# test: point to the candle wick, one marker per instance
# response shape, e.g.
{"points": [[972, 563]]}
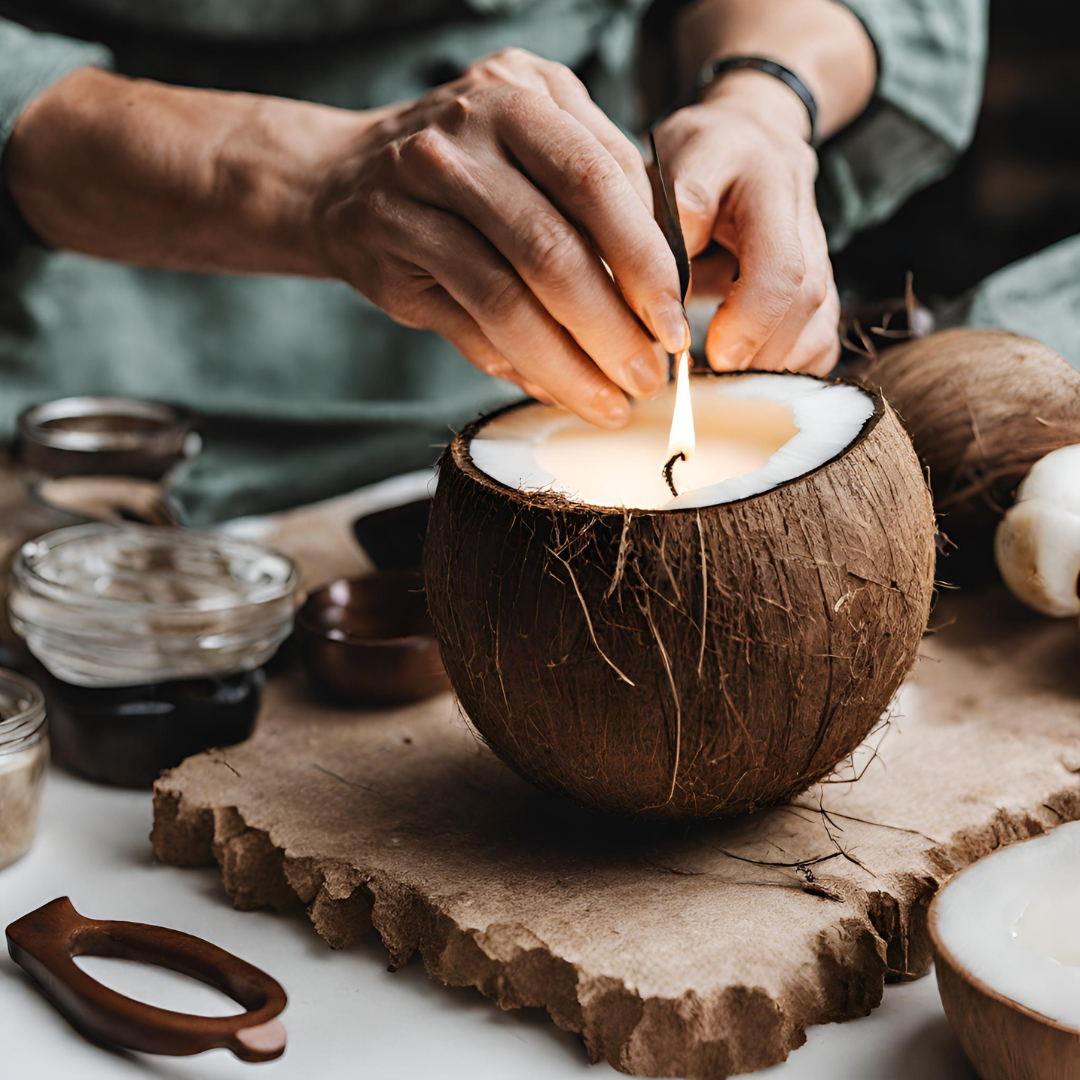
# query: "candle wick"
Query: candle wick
{"points": [[680, 456]]}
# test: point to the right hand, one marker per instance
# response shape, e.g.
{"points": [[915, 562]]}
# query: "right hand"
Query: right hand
{"points": [[487, 211]]}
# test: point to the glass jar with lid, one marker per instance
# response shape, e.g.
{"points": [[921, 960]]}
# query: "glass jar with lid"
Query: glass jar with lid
{"points": [[152, 641], [24, 753]]}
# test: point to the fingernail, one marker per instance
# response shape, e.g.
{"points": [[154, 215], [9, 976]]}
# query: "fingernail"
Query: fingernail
{"points": [[645, 373], [669, 325], [718, 357], [729, 359], [611, 407]]}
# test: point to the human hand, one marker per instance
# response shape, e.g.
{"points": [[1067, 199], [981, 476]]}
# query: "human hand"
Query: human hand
{"points": [[743, 175], [487, 211]]}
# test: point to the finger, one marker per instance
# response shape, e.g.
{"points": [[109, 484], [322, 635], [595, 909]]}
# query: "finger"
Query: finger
{"points": [[817, 348], [421, 236], [786, 348], [571, 95], [510, 317], [508, 374], [701, 172], [537, 392], [585, 182], [505, 372], [446, 316], [549, 254], [437, 310], [519, 67], [819, 345], [826, 360], [699, 176], [772, 268]]}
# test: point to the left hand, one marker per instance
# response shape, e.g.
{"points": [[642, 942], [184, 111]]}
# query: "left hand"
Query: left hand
{"points": [[743, 174]]}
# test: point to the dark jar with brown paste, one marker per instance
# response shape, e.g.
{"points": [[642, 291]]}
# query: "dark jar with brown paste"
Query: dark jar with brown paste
{"points": [[151, 642]]}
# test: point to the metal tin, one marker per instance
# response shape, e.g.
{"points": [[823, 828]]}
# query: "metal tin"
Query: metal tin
{"points": [[104, 436]]}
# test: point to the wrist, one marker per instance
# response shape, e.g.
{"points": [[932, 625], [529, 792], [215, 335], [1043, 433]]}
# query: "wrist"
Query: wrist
{"points": [[176, 178], [269, 176], [821, 41], [763, 97]]}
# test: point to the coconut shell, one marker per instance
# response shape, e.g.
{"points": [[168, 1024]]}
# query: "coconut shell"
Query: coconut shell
{"points": [[1003, 1040], [686, 663], [982, 406]]}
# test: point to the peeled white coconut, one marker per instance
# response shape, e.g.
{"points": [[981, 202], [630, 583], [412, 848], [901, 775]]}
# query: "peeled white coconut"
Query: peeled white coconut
{"points": [[1006, 940], [1037, 544]]}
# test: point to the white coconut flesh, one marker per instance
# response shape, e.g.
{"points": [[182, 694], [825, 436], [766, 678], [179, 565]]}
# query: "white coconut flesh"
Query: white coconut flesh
{"points": [[1011, 920], [753, 433], [1037, 544]]}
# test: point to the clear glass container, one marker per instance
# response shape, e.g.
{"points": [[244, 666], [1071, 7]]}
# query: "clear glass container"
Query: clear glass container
{"points": [[150, 641], [101, 605], [24, 753]]}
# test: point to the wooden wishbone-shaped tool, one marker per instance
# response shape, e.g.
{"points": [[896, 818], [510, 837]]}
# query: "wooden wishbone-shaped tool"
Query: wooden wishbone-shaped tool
{"points": [[44, 943]]}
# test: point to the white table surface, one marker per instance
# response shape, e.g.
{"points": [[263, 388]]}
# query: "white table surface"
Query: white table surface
{"points": [[348, 1016]]}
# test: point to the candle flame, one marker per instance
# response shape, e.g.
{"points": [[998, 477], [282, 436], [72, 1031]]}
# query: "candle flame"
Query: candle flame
{"points": [[682, 439]]}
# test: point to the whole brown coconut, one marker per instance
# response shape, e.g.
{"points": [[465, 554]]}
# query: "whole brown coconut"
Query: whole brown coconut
{"points": [[981, 406], [683, 663]]}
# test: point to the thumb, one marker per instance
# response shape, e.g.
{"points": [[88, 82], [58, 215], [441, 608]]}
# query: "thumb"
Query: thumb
{"points": [[698, 181]]}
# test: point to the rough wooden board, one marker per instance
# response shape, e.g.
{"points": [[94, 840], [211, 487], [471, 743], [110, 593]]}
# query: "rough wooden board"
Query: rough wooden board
{"points": [[670, 954]]}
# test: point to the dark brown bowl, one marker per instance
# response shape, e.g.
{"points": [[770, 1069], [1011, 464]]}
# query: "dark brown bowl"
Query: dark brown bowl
{"points": [[394, 538], [370, 640]]}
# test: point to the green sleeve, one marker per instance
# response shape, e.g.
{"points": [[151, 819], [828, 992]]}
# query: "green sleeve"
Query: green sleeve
{"points": [[1038, 296], [931, 58], [30, 63]]}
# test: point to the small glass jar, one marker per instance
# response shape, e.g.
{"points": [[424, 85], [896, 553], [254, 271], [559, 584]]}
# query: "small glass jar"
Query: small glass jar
{"points": [[151, 640], [24, 753]]}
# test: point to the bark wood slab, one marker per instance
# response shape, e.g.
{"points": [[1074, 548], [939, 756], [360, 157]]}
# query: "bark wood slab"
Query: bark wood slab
{"points": [[672, 950]]}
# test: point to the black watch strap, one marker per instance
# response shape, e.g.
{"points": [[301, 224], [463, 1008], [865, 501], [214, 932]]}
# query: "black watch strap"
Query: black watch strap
{"points": [[716, 69]]}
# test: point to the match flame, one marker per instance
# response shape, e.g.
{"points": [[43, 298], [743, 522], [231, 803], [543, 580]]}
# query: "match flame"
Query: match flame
{"points": [[682, 439]]}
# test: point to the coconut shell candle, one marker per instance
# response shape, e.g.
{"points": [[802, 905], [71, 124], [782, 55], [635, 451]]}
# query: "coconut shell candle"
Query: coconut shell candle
{"points": [[690, 655]]}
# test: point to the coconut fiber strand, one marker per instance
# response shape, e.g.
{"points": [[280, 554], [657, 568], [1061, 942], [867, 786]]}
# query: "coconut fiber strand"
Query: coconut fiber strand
{"points": [[686, 663], [692, 951]]}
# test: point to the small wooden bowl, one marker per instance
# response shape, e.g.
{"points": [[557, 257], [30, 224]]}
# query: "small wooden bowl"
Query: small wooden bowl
{"points": [[394, 538], [1003, 1040], [370, 640]]}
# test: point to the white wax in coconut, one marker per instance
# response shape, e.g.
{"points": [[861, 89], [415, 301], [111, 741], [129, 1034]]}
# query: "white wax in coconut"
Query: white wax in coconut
{"points": [[753, 432], [1012, 921]]}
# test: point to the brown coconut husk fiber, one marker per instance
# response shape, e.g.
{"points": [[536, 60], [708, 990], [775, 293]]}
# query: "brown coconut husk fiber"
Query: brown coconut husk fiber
{"points": [[982, 406], [686, 663]]}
